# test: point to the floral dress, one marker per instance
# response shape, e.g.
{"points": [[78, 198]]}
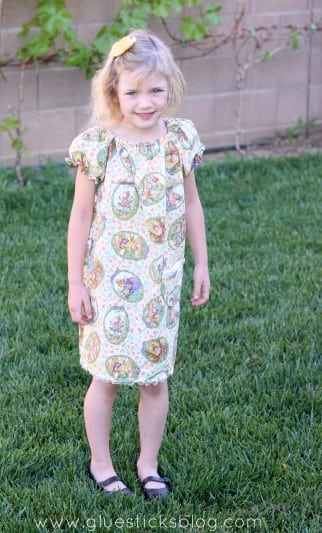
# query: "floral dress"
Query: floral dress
{"points": [[135, 250]]}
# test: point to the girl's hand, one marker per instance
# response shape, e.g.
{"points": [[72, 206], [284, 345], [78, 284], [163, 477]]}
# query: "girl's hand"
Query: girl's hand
{"points": [[201, 285], [79, 304]]}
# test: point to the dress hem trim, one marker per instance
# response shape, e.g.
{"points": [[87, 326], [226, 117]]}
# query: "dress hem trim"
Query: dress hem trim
{"points": [[128, 383]]}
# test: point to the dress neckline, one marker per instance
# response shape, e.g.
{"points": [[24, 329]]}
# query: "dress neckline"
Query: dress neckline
{"points": [[122, 140]]}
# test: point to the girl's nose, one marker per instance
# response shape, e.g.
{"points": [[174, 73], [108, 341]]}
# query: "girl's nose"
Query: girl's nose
{"points": [[145, 101]]}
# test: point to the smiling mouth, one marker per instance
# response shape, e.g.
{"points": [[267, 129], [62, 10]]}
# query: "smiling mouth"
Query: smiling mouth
{"points": [[145, 116]]}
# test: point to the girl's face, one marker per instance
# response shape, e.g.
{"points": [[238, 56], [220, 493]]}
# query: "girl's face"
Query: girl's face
{"points": [[142, 103]]}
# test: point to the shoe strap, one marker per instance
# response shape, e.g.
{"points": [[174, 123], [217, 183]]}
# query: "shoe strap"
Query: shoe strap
{"points": [[108, 481], [155, 478]]}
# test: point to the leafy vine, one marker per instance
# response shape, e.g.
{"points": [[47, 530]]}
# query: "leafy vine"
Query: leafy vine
{"points": [[50, 36]]}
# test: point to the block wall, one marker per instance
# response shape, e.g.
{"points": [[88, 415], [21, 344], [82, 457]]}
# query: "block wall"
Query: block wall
{"points": [[274, 96]]}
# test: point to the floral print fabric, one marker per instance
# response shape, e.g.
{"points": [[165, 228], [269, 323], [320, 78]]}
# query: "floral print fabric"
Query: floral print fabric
{"points": [[135, 250]]}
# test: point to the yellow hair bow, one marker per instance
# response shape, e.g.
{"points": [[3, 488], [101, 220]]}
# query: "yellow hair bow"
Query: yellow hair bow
{"points": [[122, 46]]}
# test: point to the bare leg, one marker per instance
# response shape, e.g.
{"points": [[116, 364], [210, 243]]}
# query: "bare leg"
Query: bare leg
{"points": [[98, 406], [153, 410]]}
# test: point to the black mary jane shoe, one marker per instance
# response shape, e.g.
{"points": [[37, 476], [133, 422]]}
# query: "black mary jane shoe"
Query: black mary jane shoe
{"points": [[152, 494], [102, 484]]}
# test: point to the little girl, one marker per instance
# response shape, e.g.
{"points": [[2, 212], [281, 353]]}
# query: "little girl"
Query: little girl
{"points": [[135, 197]]}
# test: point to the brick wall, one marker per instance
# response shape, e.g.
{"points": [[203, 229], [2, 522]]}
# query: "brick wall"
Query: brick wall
{"points": [[274, 96]]}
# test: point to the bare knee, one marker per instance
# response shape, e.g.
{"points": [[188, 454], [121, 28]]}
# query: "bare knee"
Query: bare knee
{"points": [[103, 388], [154, 391]]}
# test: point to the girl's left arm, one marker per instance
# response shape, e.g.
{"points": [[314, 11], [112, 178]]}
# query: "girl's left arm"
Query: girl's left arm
{"points": [[197, 239]]}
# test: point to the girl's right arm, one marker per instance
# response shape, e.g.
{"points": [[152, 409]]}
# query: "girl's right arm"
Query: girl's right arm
{"points": [[78, 231]]}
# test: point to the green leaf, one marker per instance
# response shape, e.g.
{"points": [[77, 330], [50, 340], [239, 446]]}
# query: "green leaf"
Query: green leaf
{"points": [[25, 30], [177, 5], [70, 35], [161, 10], [212, 11], [295, 38], [9, 123], [56, 24], [79, 57], [192, 29], [133, 18], [193, 3], [268, 56], [36, 47], [102, 41], [214, 19], [17, 144]]}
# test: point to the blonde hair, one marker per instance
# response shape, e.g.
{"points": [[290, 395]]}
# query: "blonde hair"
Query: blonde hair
{"points": [[148, 54]]}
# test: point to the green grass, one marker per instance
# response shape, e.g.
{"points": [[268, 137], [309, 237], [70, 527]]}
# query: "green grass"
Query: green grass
{"points": [[242, 445]]}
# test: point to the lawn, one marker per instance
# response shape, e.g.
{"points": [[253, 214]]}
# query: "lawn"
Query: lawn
{"points": [[242, 445]]}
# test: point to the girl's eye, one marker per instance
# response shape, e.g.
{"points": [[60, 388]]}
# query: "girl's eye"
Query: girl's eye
{"points": [[157, 90], [131, 93]]}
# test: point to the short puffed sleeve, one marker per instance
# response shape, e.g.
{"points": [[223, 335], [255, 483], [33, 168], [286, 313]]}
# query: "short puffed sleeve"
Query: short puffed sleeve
{"points": [[89, 150], [190, 147]]}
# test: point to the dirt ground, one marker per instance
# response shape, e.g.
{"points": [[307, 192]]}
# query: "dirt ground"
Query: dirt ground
{"points": [[280, 146]]}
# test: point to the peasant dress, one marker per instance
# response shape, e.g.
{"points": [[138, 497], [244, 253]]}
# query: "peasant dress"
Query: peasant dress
{"points": [[135, 250]]}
